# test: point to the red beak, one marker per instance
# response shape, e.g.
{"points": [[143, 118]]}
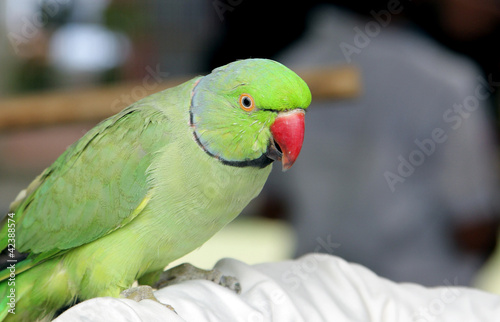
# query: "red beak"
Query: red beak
{"points": [[288, 133]]}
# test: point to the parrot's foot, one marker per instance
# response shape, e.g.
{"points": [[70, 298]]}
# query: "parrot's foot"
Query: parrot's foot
{"points": [[187, 272], [142, 292]]}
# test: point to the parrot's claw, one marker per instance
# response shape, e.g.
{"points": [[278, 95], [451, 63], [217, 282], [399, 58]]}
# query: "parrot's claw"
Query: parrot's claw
{"points": [[187, 272], [142, 292]]}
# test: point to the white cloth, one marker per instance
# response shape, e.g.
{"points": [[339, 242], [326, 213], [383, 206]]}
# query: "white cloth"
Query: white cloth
{"points": [[316, 287]]}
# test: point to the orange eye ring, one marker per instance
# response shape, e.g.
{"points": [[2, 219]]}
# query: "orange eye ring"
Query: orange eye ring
{"points": [[246, 102]]}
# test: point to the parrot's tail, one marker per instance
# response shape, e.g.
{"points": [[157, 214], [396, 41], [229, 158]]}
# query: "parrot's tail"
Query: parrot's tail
{"points": [[35, 294]]}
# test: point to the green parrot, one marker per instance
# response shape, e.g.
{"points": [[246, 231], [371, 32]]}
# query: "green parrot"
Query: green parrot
{"points": [[148, 185]]}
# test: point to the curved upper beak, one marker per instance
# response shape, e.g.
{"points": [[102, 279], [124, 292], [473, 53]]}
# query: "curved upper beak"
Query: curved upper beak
{"points": [[288, 134]]}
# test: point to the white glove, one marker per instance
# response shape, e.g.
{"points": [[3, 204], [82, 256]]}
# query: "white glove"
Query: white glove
{"points": [[316, 287]]}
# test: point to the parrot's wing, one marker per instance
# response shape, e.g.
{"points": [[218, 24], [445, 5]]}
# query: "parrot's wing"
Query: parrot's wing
{"points": [[97, 186]]}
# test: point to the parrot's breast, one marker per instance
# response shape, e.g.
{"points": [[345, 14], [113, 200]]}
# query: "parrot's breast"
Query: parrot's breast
{"points": [[194, 196]]}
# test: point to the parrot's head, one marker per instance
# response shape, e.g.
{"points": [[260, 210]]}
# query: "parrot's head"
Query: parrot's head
{"points": [[250, 113]]}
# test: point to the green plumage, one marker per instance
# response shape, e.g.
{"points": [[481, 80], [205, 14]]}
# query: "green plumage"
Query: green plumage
{"points": [[145, 187]]}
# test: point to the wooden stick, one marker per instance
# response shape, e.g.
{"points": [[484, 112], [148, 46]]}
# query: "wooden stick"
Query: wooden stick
{"points": [[94, 104], [333, 82]]}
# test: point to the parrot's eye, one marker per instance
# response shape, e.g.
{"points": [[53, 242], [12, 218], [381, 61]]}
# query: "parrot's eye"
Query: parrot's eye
{"points": [[246, 102]]}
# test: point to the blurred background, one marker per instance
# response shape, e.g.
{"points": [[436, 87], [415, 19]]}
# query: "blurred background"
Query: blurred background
{"points": [[402, 177]]}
